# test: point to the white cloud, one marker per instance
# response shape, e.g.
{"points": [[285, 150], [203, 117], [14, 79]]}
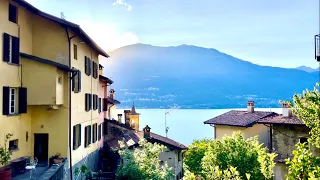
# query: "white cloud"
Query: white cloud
{"points": [[121, 2], [107, 36], [152, 89]]}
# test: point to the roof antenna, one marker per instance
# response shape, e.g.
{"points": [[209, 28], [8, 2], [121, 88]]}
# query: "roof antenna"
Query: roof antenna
{"points": [[62, 16]]}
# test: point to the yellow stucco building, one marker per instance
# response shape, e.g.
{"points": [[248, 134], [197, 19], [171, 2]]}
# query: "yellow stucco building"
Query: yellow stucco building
{"points": [[50, 81]]}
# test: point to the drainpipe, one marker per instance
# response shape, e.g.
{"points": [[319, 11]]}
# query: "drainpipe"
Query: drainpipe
{"points": [[69, 94]]}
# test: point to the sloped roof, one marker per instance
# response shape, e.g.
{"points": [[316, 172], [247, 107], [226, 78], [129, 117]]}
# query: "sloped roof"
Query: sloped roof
{"points": [[132, 138], [74, 27], [280, 119], [239, 118], [105, 79]]}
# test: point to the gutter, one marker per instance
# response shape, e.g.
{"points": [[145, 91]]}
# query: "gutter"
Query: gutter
{"points": [[72, 74]]}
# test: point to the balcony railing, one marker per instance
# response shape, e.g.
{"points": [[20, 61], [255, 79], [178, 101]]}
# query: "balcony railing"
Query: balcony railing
{"points": [[317, 47]]}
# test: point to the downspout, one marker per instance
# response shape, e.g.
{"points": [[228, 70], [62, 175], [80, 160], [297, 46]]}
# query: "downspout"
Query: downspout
{"points": [[270, 131], [69, 94]]}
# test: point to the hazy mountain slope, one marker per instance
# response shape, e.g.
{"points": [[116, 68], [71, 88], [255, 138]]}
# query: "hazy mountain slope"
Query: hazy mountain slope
{"points": [[308, 69], [195, 77]]}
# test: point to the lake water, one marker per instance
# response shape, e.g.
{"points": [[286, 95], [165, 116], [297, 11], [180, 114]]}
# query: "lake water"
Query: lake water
{"points": [[185, 125]]}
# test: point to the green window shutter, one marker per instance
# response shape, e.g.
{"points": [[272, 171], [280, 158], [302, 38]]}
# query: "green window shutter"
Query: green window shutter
{"points": [[5, 100], [79, 81], [86, 136], [89, 66], [73, 81], [79, 138], [90, 135], [22, 107], [90, 101], [6, 47], [74, 137], [15, 50], [86, 65]]}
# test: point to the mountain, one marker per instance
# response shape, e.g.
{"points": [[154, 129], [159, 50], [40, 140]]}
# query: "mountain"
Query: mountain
{"points": [[194, 77], [308, 69]]}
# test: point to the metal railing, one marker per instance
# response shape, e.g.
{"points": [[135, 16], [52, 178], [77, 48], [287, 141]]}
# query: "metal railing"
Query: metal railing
{"points": [[317, 47]]}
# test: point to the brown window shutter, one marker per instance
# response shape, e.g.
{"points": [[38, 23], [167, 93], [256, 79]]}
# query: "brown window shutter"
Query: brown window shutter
{"points": [[15, 50], [22, 100], [6, 47]]}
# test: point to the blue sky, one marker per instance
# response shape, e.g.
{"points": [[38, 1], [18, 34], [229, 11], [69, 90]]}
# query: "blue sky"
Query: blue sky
{"points": [[274, 32]]}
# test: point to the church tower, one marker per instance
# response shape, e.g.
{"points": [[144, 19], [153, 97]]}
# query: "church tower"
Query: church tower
{"points": [[134, 118]]}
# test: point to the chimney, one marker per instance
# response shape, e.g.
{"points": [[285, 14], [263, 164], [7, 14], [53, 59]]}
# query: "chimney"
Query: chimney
{"points": [[286, 110], [146, 132], [250, 106], [119, 118], [112, 93]]}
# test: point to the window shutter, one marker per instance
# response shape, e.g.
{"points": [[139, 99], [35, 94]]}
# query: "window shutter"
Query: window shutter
{"points": [[90, 101], [74, 137], [73, 85], [99, 132], [97, 69], [99, 105], [87, 101], [86, 136], [15, 50], [89, 140], [79, 81], [5, 100], [86, 65], [89, 67], [79, 138], [105, 104], [6, 48], [22, 100]]}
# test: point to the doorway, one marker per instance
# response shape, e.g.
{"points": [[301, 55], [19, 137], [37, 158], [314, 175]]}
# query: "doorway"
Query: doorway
{"points": [[41, 143]]}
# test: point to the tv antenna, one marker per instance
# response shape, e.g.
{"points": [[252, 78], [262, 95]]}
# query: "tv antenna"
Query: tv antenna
{"points": [[62, 16]]}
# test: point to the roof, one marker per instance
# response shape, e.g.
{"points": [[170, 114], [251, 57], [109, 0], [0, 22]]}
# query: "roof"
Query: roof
{"points": [[239, 118], [74, 27], [105, 79], [46, 61], [132, 138], [112, 101], [133, 110], [280, 119]]}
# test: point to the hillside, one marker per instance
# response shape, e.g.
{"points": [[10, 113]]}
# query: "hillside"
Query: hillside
{"points": [[196, 77]]}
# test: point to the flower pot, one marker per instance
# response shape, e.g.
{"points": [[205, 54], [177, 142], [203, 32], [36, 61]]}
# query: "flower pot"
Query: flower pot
{"points": [[5, 174]]}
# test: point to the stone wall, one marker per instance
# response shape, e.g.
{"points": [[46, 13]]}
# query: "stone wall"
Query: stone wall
{"points": [[285, 137]]}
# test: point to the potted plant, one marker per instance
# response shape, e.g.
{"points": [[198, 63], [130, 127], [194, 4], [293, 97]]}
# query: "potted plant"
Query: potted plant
{"points": [[5, 153]]}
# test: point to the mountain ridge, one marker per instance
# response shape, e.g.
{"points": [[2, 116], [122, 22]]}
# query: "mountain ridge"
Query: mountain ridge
{"points": [[158, 77]]}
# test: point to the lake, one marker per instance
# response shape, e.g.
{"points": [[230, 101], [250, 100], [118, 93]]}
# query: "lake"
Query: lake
{"points": [[185, 125]]}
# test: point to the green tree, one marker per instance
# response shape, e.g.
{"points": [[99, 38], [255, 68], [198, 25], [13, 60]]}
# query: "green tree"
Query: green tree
{"points": [[143, 162], [194, 155], [303, 164], [307, 109], [247, 156]]}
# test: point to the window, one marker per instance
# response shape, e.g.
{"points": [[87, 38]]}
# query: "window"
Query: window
{"points": [[99, 105], [76, 82], [88, 101], [95, 102], [95, 70], [14, 100], [99, 132], [75, 52], [303, 140], [87, 136], [76, 136], [11, 49], [13, 145], [94, 133], [13, 13], [59, 80], [88, 65]]}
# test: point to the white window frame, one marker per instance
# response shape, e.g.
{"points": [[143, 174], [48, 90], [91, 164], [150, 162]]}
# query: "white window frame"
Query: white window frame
{"points": [[10, 49], [14, 100]]}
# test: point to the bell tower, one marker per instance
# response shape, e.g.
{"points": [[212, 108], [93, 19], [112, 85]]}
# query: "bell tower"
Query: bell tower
{"points": [[134, 118]]}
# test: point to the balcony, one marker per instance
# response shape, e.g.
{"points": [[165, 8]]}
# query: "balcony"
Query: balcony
{"points": [[317, 47]]}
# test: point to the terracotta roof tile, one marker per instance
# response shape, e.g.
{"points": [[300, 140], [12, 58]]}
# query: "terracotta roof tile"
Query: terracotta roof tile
{"points": [[279, 119], [239, 118]]}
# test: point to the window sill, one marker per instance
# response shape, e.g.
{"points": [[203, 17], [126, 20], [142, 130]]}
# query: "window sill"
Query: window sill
{"points": [[13, 150], [13, 64], [15, 114]]}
